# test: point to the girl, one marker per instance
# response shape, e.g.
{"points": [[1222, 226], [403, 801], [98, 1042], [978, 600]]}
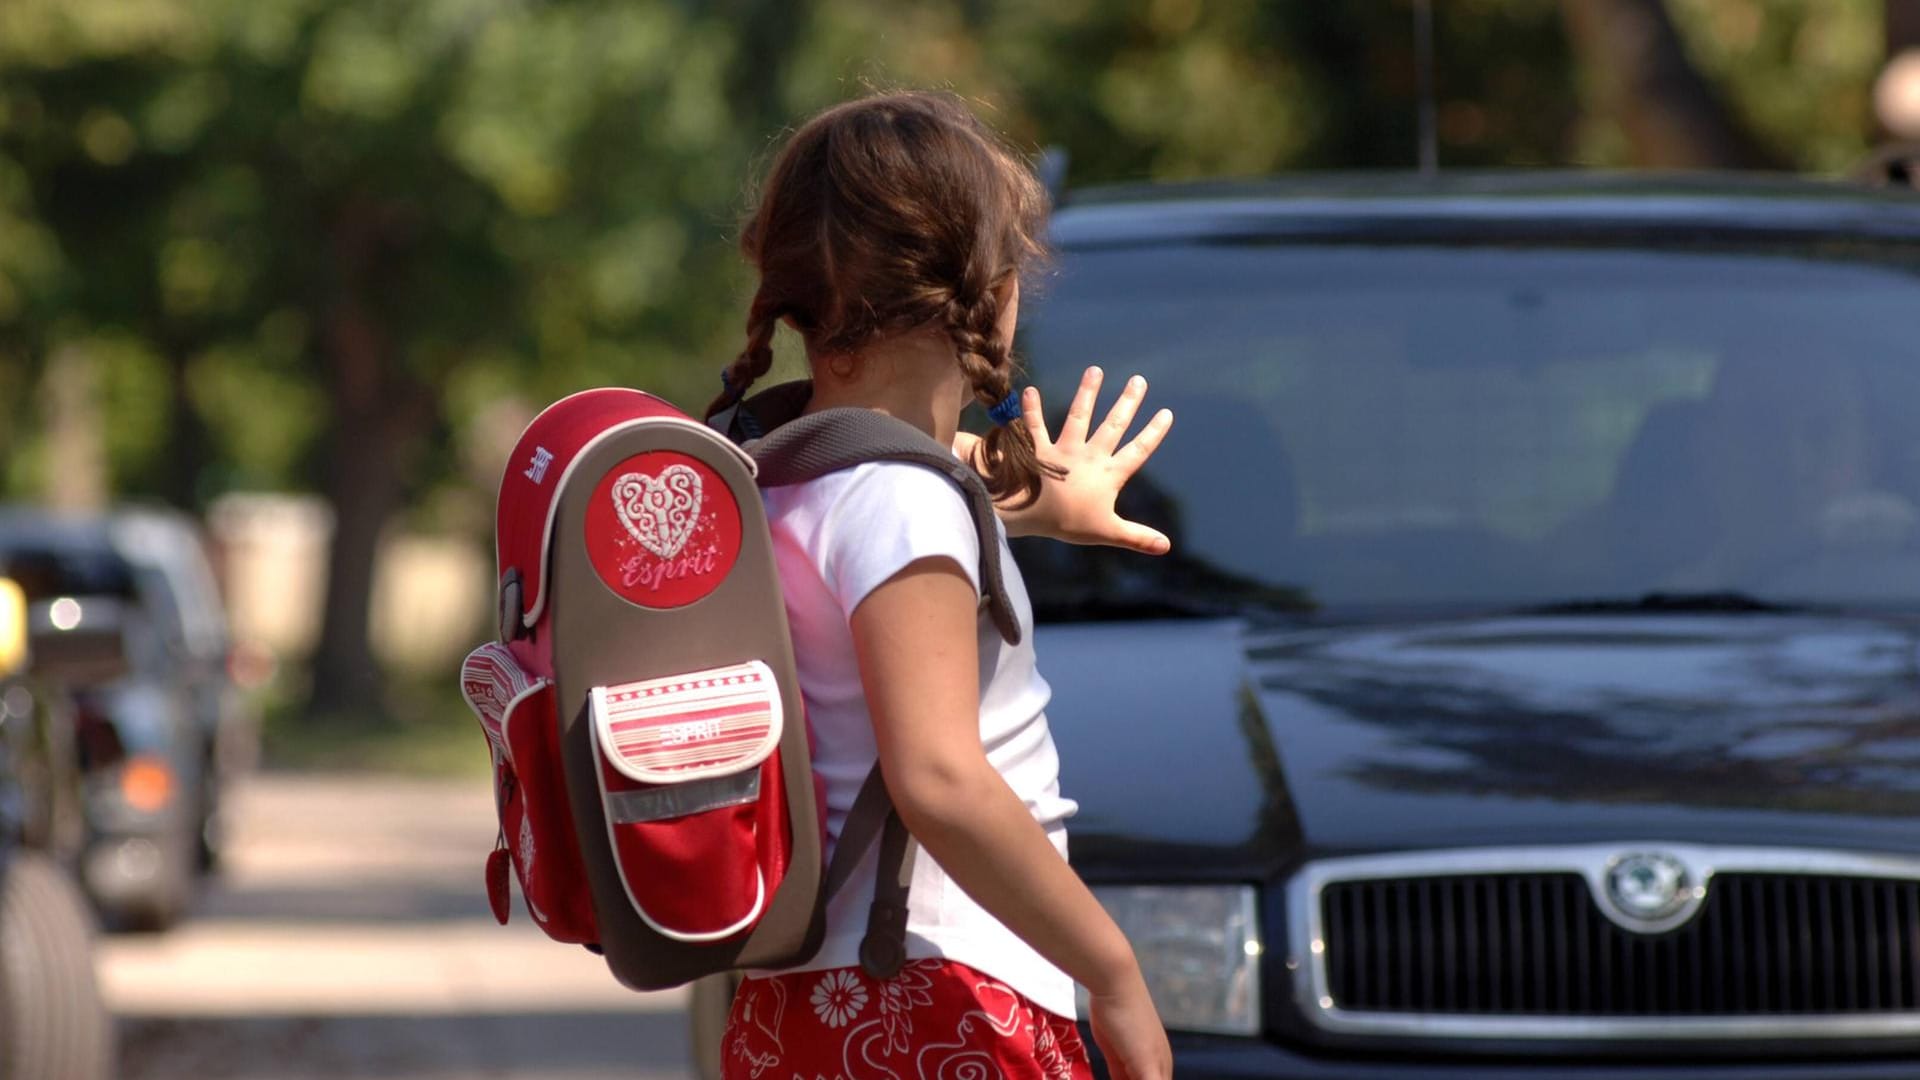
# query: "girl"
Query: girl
{"points": [[891, 234]]}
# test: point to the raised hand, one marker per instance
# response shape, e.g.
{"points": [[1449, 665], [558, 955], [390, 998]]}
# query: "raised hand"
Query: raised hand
{"points": [[1078, 507]]}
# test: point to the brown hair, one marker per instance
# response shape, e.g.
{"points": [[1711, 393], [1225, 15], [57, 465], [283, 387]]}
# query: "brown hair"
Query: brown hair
{"points": [[886, 214]]}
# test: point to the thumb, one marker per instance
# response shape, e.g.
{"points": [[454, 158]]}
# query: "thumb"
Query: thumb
{"points": [[1137, 537]]}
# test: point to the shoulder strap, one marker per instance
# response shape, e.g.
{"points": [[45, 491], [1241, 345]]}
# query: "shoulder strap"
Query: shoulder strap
{"points": [[790, 448], [883, 949], [807, 447]]}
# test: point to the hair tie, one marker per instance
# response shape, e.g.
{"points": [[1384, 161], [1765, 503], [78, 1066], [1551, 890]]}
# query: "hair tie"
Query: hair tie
{"points": [[726, 384], [1007, 411]]}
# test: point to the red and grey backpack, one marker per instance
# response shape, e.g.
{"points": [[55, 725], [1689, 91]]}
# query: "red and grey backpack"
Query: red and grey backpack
{"points": [[651, 757]]}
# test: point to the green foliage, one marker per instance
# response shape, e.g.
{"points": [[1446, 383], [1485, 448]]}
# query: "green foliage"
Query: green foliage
{"points": [[536, 189], [281, 226], [1801, 73], [554, 183]]}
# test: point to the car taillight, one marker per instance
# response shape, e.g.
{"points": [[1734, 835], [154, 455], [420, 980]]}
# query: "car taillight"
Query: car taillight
{"points": [[146, 783]]}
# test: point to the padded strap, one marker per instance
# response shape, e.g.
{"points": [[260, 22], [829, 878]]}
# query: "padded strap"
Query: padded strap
{"points": [[801, 448], [883, 950], [871, 808]]}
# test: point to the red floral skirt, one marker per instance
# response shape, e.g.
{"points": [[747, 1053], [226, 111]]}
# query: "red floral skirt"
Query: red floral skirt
{"points": [[935, 1020]]}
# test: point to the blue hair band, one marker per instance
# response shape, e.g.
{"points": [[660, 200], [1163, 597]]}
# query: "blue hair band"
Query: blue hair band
{"points": [[1007, 411]]}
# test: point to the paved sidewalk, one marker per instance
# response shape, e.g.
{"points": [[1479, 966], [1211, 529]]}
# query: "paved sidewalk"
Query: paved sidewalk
{"points": [[350, 938]]}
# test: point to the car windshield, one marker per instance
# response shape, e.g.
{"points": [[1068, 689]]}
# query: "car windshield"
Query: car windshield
{"points": [[47, 570], [1496, 428]]}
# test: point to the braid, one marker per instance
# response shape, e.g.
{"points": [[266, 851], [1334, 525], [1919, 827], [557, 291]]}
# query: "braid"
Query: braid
{"points": [[754, 360], [1007, 456]]}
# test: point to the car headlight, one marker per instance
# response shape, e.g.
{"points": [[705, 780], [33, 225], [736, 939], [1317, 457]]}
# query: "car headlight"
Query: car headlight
{"points": [[1199, 947]]}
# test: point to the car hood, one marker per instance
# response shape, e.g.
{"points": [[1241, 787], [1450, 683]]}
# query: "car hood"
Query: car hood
{"points": [[1213, 748]]}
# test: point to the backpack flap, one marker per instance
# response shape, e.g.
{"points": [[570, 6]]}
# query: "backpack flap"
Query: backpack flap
{"points": [[690, 781]]}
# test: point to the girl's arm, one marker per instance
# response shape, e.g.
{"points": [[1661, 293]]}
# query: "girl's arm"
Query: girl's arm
{"points": [[1078, 507], [915, 640]]}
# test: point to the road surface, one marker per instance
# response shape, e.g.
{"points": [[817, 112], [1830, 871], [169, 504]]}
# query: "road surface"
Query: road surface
{"points": [[350, 938]]}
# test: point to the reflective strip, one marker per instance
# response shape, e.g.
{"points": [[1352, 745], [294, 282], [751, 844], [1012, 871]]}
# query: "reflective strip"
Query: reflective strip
{"points": [[679, 800]]}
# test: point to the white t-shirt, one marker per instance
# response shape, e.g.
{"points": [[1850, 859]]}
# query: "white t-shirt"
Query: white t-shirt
{"points": [[835, 540]]}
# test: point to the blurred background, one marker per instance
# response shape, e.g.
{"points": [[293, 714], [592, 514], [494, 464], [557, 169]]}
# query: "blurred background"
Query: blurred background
{"points": [[291, 275]]}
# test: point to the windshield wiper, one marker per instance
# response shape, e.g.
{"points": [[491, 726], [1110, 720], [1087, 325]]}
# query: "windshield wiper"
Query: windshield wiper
{"points": [[1725, 602]]}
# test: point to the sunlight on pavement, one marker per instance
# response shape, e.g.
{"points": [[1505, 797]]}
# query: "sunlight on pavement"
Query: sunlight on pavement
{"points": [[349, 937], [213, 968]]}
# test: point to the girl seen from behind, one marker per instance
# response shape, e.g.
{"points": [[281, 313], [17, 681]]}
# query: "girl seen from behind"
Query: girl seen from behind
{"points": [[892, 234]]}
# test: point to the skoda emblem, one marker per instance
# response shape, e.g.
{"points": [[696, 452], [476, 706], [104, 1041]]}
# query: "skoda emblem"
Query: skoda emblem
{"points": [[1650, 888]]}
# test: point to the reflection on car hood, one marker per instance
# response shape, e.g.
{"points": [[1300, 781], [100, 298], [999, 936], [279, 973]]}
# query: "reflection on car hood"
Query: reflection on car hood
{"points": [[1208, 743]]}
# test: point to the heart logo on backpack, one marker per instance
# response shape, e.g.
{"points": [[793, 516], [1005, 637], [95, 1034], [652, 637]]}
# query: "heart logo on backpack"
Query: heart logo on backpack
{"points": [[659, 511]]}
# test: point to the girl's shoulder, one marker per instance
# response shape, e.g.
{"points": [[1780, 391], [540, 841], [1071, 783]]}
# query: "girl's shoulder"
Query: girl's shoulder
{"points": [[859, 526], [874, 492]]}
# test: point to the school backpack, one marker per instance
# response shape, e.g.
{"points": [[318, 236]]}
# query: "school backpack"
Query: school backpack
{"points": [[652, 765]]}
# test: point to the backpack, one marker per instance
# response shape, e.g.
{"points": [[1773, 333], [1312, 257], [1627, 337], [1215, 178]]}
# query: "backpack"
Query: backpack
{"points": [[652, 765]]}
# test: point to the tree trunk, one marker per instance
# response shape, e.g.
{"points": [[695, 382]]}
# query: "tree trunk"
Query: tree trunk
{"points": [[1672, 116], [378, 416], [365, 494], [189, 449], [1903, 26], [765, 31], [74, 463]]}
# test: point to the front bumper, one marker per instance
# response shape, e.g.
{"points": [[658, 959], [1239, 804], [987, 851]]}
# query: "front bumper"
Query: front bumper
{"points": [[1197, 1058]]}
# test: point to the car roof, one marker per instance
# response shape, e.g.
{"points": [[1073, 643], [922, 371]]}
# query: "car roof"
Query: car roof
{"points": [[50, 555], [22, 527], [1522, 206]]}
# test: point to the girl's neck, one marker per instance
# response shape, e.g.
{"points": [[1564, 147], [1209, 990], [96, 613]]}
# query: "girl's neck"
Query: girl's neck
{"points": [[911, 377]]}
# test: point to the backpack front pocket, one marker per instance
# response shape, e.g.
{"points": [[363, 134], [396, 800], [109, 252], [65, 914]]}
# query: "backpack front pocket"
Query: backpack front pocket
{"points": [[696, 810]]}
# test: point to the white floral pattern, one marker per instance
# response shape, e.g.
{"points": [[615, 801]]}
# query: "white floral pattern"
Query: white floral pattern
{"points": [[838, 998], [995, 1032], [1056, 1058], [900, 995]]}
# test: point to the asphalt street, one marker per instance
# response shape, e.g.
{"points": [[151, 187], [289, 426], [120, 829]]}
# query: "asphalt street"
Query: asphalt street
{"points": [[349, 938]]}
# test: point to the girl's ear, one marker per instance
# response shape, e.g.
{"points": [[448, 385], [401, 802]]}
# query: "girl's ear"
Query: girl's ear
{"points": [[1006, 297], [1007, 292]]}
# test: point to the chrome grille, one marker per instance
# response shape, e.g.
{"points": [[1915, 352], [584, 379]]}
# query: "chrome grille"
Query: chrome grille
{"points": [[1535, 944], [1506, 943]]}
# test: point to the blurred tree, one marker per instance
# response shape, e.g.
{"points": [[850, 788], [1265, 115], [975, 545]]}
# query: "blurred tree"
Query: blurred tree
{"points": [[1672, 116], [1798, 76], [316, 244], [1902, 29], [322, 221]]}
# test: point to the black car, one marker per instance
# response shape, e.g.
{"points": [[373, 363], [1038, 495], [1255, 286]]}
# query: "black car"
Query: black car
{"points": [[1534, 689], [143, 750]]}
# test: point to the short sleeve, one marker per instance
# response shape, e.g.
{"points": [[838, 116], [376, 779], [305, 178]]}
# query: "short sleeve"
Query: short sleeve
{"points": [[890, 515]]}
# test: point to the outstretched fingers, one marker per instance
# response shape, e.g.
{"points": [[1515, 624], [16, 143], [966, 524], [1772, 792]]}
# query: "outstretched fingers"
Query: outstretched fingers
{"points": [[1035, 419], [1114, 427], [1135, 454], [1073, 430]]}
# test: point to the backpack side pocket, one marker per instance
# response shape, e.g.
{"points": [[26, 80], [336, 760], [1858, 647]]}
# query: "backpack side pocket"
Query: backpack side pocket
{"points": [[516, 712]]}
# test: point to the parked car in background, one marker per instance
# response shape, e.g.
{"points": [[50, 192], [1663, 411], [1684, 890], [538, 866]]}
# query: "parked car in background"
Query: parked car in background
{"points": [[151, 736], [52, 1020], [169, 555], [1534, 686]]}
